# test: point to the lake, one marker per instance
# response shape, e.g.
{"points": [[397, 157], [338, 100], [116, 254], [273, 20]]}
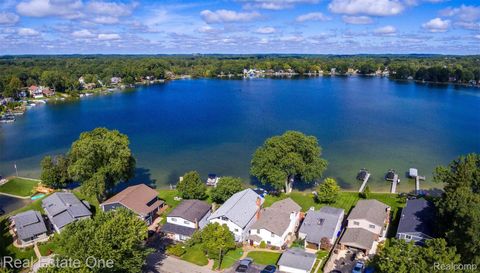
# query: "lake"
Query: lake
{"points": [[214, 126]]}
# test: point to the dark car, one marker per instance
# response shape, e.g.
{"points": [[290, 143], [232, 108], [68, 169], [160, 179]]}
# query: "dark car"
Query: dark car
{"points": [[269, 269], [244, 265]]}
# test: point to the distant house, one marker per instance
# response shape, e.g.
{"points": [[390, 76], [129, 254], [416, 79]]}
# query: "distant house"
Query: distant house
{"points": [[239, 213], [63, 208], [35, 92], [116, 80], [141, 199], [277, 224], [188, 217], [323, 223], [367, 222], [296, 260], [48, 92], [416, 222], [29, 227]]}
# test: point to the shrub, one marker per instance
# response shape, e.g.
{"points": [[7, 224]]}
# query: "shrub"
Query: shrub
{"points": [[263, 244], [176, 250]]}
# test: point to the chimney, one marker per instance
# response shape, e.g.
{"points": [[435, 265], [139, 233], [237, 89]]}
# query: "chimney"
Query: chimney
{"points": [[259, 206], [196, 224]]}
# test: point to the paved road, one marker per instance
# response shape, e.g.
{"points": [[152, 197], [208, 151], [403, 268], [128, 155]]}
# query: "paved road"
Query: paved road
{"points": [[254, 268], [161, 263]]}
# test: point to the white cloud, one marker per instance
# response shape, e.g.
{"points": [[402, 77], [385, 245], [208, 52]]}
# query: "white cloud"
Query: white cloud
{"points": [[84, 33], [477, 37], [357, 20], [468, 25], [265, 30], [108, 37], [437, 25], [467, 16], [366, 7], [312, 16], [27, 32], [386, 30], [7, 18], [275, 4], [206, 29], [293, 38], [227, 16], [111, 8], [42, 8]]}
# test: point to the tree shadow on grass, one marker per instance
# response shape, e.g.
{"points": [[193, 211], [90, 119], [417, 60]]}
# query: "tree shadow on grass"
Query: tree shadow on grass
{"points": [[142, 176]]}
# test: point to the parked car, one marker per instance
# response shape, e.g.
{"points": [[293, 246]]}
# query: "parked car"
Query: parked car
{"points": [[358, 268], [269, 269], [244, 265]]}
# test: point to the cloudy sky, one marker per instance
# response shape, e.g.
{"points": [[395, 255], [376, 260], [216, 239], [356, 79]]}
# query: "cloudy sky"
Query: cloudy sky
{"points": [[239, 26]]}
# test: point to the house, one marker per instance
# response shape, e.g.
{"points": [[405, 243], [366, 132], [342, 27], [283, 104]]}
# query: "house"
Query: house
{"points": [[35, 92], [239, 213], [141, 199], [296, 260], [29, 227], [63, 208], [116, 80], [366, 224], [48, 92], [323, 223], [416, 221], [188, 217], [277, 224]]}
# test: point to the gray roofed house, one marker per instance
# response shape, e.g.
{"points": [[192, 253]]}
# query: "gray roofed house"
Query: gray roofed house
{"points": [[416, 221], [359, 238], [296, 260], [323, 223], [371, 209], [29, 227], [63, 208]]}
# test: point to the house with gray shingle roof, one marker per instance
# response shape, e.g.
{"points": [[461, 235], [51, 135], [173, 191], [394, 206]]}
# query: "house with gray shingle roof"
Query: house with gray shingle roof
{"points": [[417, 221], [239, 213], [295, 260], [188, 217], [29, 227], [323, 223], [276, 225], [63, 208]]}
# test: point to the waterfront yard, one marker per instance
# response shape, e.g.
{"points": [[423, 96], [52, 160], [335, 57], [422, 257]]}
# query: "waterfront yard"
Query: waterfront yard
{"points": [[264, 257], [22, 187]]}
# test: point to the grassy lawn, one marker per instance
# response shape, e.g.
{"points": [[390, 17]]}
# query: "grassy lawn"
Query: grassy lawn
{"points": [[168, 196], [264, 257], [47, 248], [196, 256], [19, 186], [322, 257], [229, 259]]}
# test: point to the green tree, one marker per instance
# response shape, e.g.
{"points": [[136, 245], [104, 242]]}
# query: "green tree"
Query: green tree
{"points": [[216, 240], [226, 187], [191, 186], [116, 235], [99, 159], [13, 87], [327, 192], [55, 171], [283, 158]]}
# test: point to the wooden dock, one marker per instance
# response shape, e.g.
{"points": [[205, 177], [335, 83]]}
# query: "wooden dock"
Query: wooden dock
{"points": [[395, 180], [417, 183], [364, 184]]}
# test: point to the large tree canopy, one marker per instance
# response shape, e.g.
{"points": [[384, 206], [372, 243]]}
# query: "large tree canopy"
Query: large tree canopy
{"points": [[226, 187], [283, 158], [327, 192], [191, 186], [99, 159]]}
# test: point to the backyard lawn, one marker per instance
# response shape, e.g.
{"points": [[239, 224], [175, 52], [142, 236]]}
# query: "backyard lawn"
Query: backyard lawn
{"points": [[229, 259], [195, 255], [19, 186], [264, 257]]}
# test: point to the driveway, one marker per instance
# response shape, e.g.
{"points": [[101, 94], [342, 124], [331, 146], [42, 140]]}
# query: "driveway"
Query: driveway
{"points": [[254, 268], [161, 263], [343, 261]]}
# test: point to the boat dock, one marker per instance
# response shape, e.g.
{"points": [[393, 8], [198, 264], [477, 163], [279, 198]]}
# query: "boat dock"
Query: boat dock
{"points": [[395, 181], [412, 172], [364, 183]]}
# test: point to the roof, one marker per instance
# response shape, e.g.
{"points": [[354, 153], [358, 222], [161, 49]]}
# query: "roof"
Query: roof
{"points": [[358, 238], [276, 218], [240, 208], [371, 210], [136, 198], [191, 210], [62, 208], [321, 223], [297, 258], [417, 216], [29, 224], [413, 172], [177, 229]]}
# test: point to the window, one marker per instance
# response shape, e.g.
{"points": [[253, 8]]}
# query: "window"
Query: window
{"points": [[174, 219], [269, 243], [258, 231], [236, 230], [372, 226], [356, 223], [186, 222], [408, 237], [224, 218]]}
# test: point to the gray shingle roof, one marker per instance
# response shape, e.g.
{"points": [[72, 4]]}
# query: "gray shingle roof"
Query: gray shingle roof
{"points": [[29, 224], [417, 216], [297, 258], [321, 223], [62, 208], [240, 208], [191, 210], [371, 210], [276, 218], [358, 237], [177, 229]]}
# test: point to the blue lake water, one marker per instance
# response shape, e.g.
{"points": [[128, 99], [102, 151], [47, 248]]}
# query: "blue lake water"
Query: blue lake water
{"points": [[213, 125]]}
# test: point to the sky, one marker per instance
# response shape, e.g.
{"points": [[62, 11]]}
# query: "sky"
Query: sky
{"points": [[239, 26]]}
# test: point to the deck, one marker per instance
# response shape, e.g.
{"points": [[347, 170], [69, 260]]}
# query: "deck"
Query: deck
{"points": [[393, 189], [417, 183]]}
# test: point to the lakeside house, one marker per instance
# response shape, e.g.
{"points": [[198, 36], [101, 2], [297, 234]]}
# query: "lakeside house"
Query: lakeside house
{"points": [[239, 213], [323, 224], [29, 227], [277, 224], [188, 217], [115, 80], [35, 92], [140, 199], [417, 221], [296, 260], [366, 224], [63, 208]]}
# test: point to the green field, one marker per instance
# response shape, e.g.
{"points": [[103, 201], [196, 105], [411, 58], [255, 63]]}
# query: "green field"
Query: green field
{"points": [[19, 186], [264, 257]]}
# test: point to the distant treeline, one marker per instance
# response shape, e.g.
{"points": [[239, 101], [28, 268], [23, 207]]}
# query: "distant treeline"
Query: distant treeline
{"points": [[62, 72]]}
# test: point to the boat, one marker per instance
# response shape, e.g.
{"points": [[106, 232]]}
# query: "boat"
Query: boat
{"points": [[362, 174], [212, 180], [390, 175]]}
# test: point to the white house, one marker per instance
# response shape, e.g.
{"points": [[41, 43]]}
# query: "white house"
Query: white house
{"points": [[277, 224], [239, 213]]}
